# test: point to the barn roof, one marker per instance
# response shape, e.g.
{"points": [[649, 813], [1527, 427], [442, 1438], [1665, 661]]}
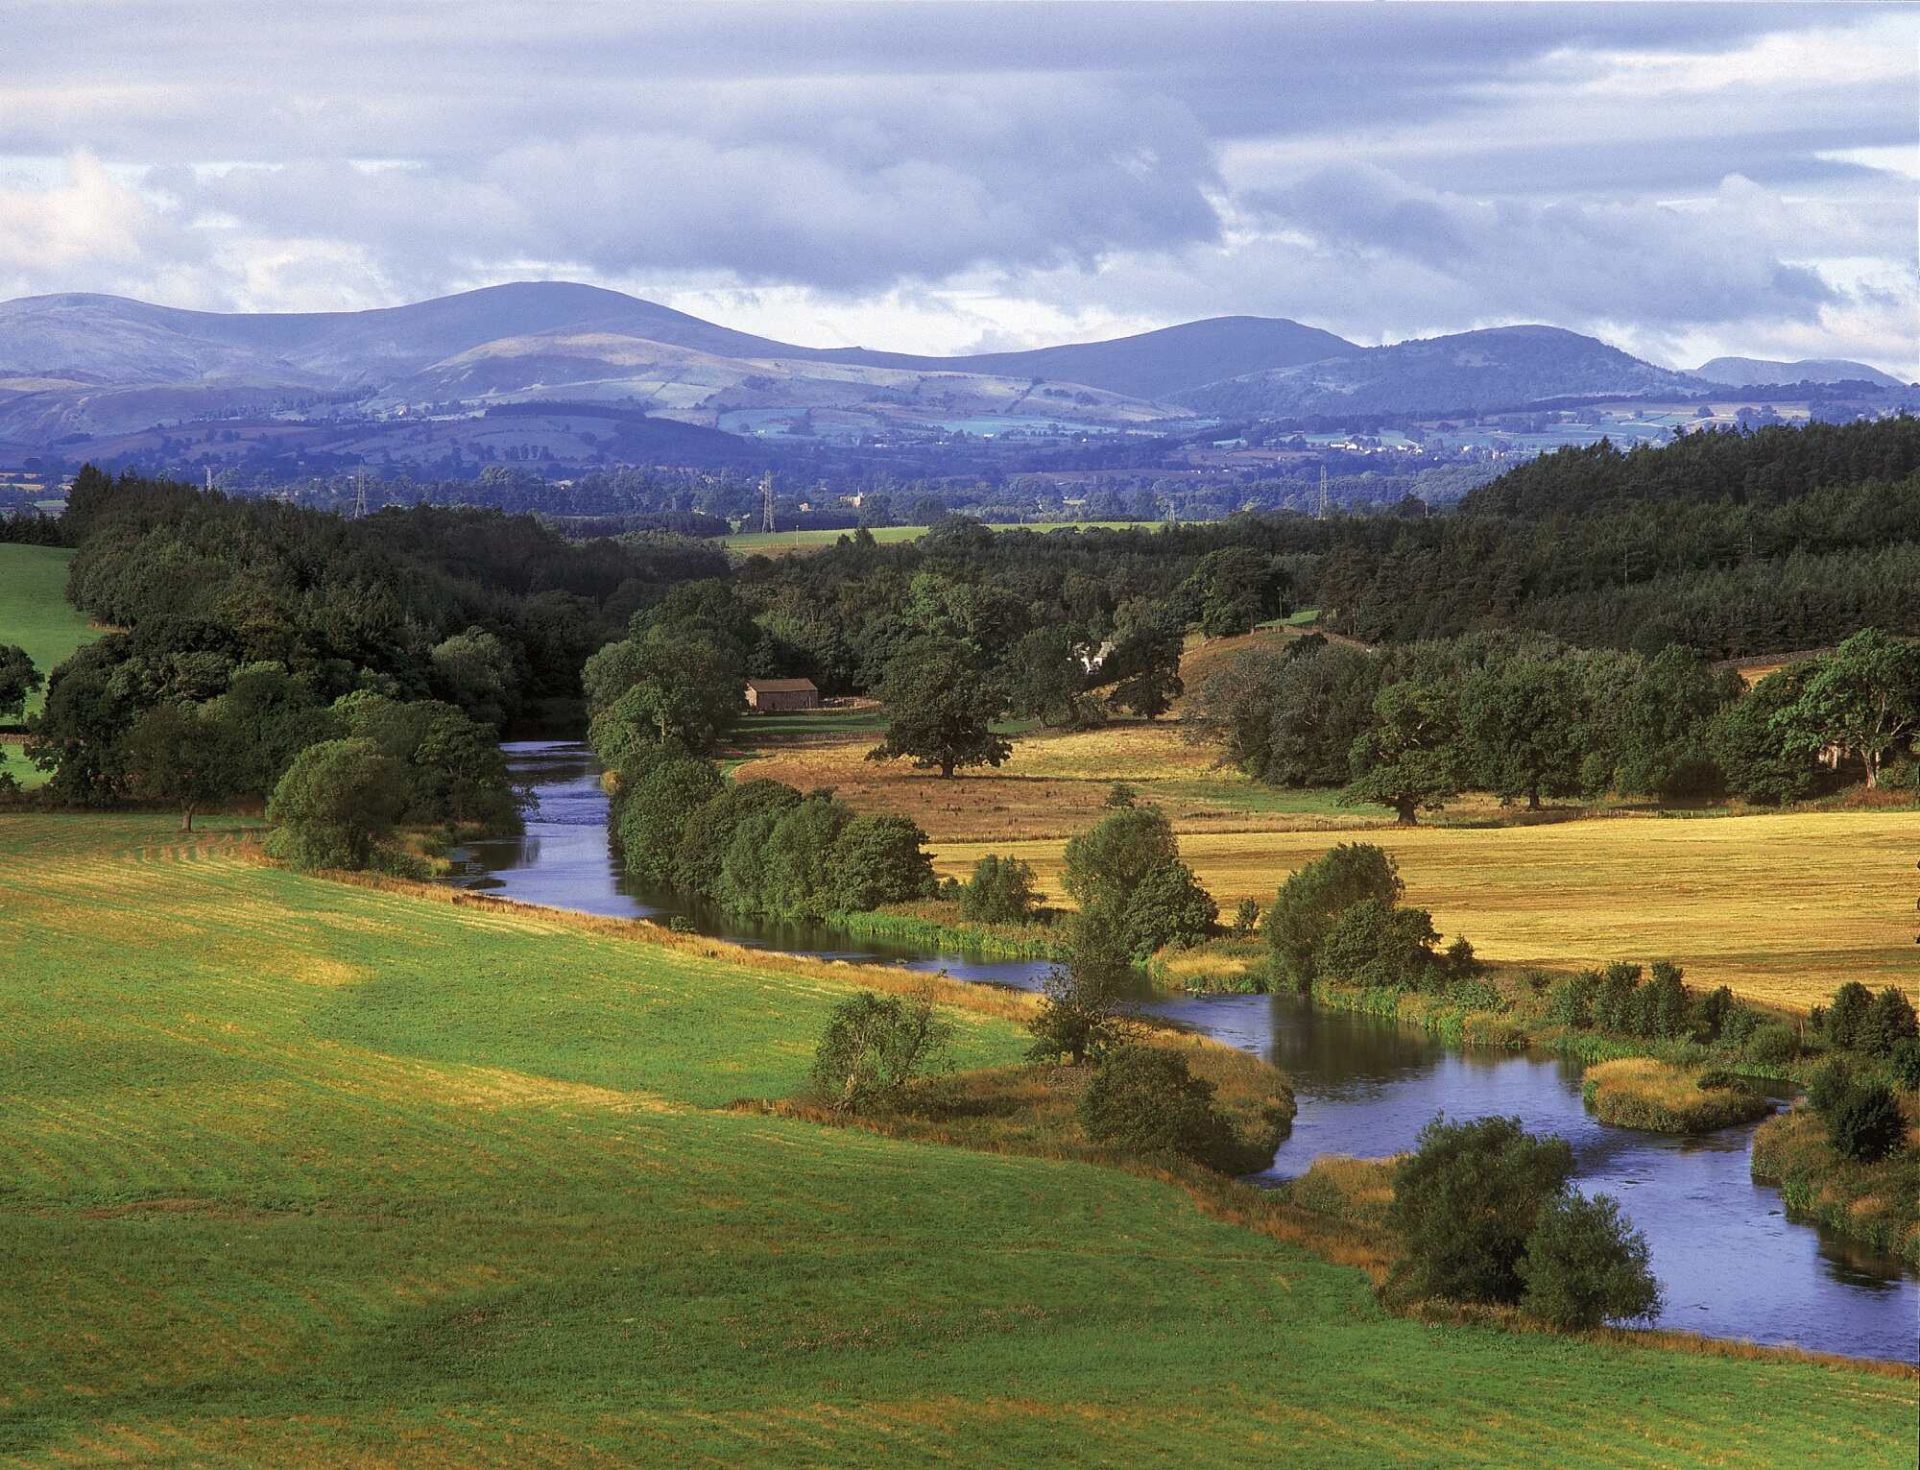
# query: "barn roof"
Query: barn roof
{"points": [[780, 686]]}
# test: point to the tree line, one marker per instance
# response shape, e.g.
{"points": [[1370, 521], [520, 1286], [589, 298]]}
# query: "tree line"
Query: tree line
{"points": [[1528, 718]]}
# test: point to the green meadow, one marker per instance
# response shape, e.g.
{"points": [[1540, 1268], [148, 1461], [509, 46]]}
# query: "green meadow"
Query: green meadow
{"points": [[35, 614], [297, 1172]]}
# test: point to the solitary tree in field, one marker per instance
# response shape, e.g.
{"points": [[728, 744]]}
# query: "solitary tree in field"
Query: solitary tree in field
{"points": [[940, 709], [185, 756], [18, 679]]}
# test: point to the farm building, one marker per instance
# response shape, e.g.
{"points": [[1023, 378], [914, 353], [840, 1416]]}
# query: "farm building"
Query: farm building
{"points": [[767, 695]]}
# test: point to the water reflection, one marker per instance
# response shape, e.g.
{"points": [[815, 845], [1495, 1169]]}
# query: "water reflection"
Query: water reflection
{"points": [[1729, 1260]]}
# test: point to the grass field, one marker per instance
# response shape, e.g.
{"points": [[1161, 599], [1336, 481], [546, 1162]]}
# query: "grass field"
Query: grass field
{"points": [[298, 1173], [35, 613], [775, 543], [1782, 907]]}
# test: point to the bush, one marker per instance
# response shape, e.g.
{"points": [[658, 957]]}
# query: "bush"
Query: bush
{"points": [[1906, 1063], [1376, 944], [1145, 1101], [1772, 1045], [1308, 903], [336, 806], [1865, 1125], [660, 787], [1585, 1265], [1001, 891], [1246, 918], [1616, 999], [1830, 1085], [1570, 1001], [1465, 1202], [874, 1046]]}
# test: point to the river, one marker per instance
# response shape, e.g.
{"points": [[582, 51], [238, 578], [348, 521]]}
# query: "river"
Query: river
{"points": [[1731, 1264]]}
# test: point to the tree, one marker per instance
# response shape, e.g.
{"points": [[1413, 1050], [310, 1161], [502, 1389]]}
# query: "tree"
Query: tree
{"points": [[940, 709], [1146, 658], [476, 670], [1466, 1201], [1846, 1013], [683, 687], [1083, 1007], [1103, 865], [876, 860], [874, 1047], [1757, 758], [1889, 1021], [336, 806], [1167, 906], [187, 756], [1001, 891], [1409, 759], [1313, 898], [1523, 717], [1585, 1265], [657, 792], [18, 679], [1378, 945], [1231, 590], [1863, 699], [1045, 679], [1143, 1099]]}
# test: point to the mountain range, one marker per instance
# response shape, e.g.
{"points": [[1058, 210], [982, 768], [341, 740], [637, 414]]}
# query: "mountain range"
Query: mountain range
{"points": [[86, 369]]}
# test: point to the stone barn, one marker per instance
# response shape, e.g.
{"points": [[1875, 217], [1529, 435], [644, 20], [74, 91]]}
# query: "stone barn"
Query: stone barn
{"points": [[768, 695]]}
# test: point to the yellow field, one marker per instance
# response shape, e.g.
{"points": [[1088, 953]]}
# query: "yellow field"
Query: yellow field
{"points": [[1053, 786], [1781, 907]]}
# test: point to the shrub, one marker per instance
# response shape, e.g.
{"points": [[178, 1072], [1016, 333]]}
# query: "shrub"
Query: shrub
{"points": [[660, 788], [1309, 902], [1739, 1023], [1669, 1004], [1377, 944], [1465, 1202], [1616, 999], [336, 806], [1104, 864], [874, 1046], [1865, 1125], [1712, 1012], [1830, 1085], [1570, 1001], [1145, 1101], [1246, 918], [1001, 891], [1585, 1265], [1906, 1063], [1773, 1044]]}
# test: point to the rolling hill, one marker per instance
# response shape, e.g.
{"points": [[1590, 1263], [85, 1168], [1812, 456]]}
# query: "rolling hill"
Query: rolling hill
{"points": [[1744, 372], [1499, 367], [118, 380]]}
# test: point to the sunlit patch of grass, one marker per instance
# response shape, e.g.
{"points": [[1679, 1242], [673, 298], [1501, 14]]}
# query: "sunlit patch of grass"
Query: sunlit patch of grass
{"points": [[478, 1200], [1640, 1092], [1783, 906]]}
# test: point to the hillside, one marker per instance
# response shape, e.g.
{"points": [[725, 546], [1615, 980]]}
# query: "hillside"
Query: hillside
{"points": [[426, 1183], [1501, 367], [1759, 372]]}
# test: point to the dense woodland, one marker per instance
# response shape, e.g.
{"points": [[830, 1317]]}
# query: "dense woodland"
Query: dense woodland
{"points": [[1557, 636]]}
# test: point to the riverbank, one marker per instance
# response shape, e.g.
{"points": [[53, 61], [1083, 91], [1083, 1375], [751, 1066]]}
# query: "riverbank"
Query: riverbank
{"points": [[406, 1166], [1876, 1203]]}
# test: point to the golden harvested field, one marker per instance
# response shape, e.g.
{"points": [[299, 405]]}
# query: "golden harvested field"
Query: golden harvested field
{"points": [[1782, 907], [1054, 785]]}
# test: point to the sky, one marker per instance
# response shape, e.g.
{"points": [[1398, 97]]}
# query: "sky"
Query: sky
{"points": [[1683, 180]]}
